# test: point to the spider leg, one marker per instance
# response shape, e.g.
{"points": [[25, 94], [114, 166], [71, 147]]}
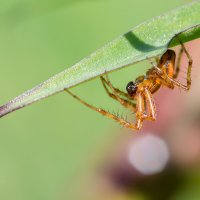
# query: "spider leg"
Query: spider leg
{"points": [[190, 61], [180, 54], [115, 90], [123, 102], [150, 105], [140, 111]]}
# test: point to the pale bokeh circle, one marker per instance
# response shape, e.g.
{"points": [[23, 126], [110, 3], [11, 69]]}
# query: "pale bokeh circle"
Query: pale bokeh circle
{"points": [[149, 154]]}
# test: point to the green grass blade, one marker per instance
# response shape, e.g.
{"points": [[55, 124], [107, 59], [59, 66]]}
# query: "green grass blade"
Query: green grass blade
{"points": [[148, 39]]}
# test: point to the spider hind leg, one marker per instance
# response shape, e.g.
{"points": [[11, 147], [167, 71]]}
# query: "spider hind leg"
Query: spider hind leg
{"points": [[172, 82]]}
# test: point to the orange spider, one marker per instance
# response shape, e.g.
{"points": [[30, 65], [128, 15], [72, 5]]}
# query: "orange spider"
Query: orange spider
{"points": [[139, 97]]}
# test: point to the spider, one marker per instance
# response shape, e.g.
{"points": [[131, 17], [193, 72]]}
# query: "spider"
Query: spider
{"points": [[139, 96]]}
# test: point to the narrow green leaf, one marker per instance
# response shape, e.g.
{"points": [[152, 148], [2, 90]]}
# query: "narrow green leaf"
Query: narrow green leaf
{"points": [[148, 39]]}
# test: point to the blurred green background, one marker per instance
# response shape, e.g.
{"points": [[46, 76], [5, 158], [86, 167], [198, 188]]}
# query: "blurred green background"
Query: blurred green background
{"points": [[50, 150]]}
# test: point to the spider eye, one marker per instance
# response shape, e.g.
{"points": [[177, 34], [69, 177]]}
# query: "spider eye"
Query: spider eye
{"points": [[131, 88]]}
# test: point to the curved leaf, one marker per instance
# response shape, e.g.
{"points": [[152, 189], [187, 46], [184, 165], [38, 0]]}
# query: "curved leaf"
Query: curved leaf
{"points": [[148, 39]]}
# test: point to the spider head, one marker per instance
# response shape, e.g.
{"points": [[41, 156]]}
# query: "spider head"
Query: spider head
{"points": [[131, 88]]}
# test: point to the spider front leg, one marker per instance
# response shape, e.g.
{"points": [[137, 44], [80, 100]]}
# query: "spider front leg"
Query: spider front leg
{"points": [[114, 95], [150, 105], [116, 91], [140, 111]]}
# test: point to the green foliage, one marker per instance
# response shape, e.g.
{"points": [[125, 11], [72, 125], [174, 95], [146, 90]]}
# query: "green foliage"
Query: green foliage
{"points": [[53, 150], [148, 39]]}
